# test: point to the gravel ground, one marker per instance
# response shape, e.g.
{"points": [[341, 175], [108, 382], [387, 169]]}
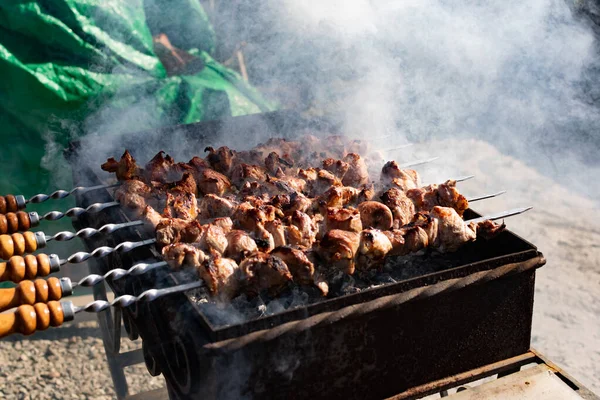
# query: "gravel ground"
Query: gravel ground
{"points": [[65, 363]]}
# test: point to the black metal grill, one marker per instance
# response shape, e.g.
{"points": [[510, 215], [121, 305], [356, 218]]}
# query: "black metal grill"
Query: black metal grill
{"points": [[474, 310]]}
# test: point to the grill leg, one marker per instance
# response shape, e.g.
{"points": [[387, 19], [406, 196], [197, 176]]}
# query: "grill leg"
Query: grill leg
{"points": [[110, 326]]}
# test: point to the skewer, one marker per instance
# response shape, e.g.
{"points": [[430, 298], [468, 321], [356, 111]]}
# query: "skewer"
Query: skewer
{"points": [[485, 196], [11, 203], [418, 162], [42, 291], [28, 242], [28, 319], [22, 221], [500, 215]]}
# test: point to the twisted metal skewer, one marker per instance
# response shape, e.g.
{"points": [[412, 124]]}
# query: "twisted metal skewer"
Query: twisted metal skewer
{"points": [[87, 233], [103, 251], [61, 194], [118, 273], [127, 300], [77, 211]]}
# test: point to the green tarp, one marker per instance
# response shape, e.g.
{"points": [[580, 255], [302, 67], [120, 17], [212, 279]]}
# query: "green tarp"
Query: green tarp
{"points": [[67, 65], [62, 61]]}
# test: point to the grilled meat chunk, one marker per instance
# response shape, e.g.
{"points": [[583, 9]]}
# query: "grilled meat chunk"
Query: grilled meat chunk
{"points": [[212, 182], [375, 215], [168, 231], [277, 230], [299, 265], [221, 276], [318, 181], [181, 255], [159, 168], [239, 245], [181, 205], [305, 232], [336, 167], [213, 206], [358, 173], [187, 184], [338, 249], [151, 216], [337, 197], [401, 206], [347, 219], [125, 169], [393, 176], [453, 231], [213, 239], [261, 271], [242, 173], [132, 194], [221, 160], [374, 246], [445, 195]]}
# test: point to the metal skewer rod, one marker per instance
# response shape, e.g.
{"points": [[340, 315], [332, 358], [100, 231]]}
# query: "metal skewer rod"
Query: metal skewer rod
{"points": [[500, 215], [417, 162], [61, 194], [127, 300], [485, 196], [77, 211], [87, 233], [404, 146], [103, 251], [118, 273], [29, 319]]}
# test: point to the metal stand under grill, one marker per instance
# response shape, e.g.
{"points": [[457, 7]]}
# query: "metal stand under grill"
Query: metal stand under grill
{"points": [[369, 345]]}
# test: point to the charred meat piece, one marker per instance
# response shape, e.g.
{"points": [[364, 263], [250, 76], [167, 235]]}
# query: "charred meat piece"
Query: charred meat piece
{"points": [[358, 173], [132, 194], [158, 169], [337, 197], [125, 169], [336, 167], [181, 205], [213, 206], [277, 165], [151, 216], [221, 160], [198, 164], [393, 176], [168, 231], [396, 238], [239, 245], [445, 195], [453, 231], [224, 223], [306, 229], [277, 230], [259, 189], [212, 182], [221, 276], [242, 173], [318, 181], [181, 255], [261, 271], [299, 265], [347, 219], [401, 206], [489, 229], [374, 246], [366, 193], [213, 239], [248, 217], [187, 184], [375, 215], [338, 249]]}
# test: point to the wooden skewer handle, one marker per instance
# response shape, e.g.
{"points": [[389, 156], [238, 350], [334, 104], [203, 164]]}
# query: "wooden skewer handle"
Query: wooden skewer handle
{"points": [[28, 319], [18, 268], [10, 203], [31, 292], [18, 222], [20, 243]]}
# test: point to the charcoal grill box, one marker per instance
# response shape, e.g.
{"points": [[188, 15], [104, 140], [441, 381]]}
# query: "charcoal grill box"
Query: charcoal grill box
{"points": [[376, 343]]}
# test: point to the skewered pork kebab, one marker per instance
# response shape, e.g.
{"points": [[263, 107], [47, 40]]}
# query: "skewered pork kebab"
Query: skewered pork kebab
{"points": [[275, 239]]}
